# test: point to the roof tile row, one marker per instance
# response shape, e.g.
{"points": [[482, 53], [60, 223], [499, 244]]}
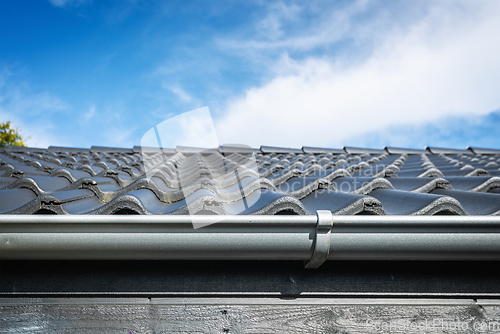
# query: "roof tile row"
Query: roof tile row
{"points": [[239, 180]]}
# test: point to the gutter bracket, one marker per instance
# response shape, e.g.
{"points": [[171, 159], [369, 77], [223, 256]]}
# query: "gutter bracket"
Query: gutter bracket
{"points": [[322, 239]]}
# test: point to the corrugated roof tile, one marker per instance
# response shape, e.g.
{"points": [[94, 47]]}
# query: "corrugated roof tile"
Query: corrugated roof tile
{"points": [[223, 180]]}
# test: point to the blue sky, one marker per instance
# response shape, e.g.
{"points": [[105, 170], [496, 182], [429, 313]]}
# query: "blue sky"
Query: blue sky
{"points": [[313, 73]]}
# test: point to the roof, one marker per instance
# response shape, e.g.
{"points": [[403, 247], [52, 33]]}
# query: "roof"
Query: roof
{"points": [[265, 181]]}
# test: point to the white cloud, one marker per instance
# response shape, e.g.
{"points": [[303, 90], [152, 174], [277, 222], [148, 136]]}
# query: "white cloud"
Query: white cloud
{"points": [[119, 136], [89, 114], [442, 63], [64, 3], [279, 28], [271, 25], [179, 92], [23, 107], [193, 128]]}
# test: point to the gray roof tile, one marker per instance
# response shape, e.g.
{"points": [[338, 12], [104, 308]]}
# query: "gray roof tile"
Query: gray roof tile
{"points": [[397, 202], [474, 203], [223, 180]]}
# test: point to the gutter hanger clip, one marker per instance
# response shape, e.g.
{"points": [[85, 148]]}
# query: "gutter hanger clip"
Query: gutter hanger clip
{"points": [[322, 240]]}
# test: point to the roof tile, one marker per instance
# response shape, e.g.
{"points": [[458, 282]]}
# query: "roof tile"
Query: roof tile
{"points": [[224, 180]]}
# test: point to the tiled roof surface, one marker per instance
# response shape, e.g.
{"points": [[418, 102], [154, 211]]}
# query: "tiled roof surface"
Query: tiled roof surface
{"points": [[393, 181]]}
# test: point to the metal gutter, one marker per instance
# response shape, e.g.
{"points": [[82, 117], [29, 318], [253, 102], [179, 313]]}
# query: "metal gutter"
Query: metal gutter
{"points": [[310, 238]]}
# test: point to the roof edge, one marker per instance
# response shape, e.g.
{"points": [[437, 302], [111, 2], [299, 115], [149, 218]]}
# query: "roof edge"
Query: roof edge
{"points": [[319, 150], [275, 149], [478, 150], [398, 150], [439, 150], [359, 150]]}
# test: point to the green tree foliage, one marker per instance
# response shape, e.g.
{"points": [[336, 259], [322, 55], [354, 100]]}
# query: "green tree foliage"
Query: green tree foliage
{"points": [[10, 136]]}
